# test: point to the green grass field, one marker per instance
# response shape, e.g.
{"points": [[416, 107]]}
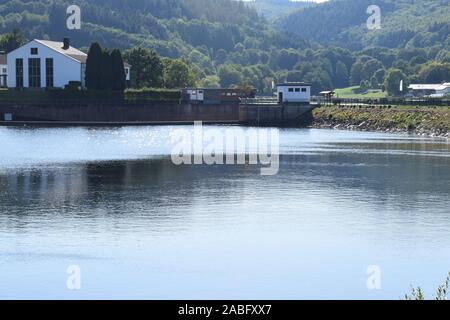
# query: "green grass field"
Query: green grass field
{"points": [[349, 93]]}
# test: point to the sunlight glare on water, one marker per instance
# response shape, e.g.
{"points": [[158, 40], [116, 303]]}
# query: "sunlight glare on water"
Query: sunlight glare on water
{"points": [[111, 201]]}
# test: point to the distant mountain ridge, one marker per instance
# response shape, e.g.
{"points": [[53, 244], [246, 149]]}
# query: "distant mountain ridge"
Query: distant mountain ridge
{"points": [[405, 23], [272, 9], [128, 22]]}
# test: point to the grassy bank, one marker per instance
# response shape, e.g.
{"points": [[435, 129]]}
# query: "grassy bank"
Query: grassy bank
{"points": [[357, 93], [426, 121]]}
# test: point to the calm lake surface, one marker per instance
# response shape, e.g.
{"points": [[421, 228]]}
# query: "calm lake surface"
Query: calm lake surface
{"points": [[111, 202]]}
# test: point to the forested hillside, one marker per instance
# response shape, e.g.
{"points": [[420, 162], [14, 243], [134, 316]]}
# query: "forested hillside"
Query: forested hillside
{"points": [[227, 42], [206, 33], [412, 45], [405, 23], [214, 23]]}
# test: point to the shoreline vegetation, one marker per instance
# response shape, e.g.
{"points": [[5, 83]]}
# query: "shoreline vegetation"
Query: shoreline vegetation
{"points": [[422, 121], [442, 292], [74, 96]]}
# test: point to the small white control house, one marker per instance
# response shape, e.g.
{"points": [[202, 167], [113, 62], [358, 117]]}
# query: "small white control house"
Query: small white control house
{"points": [[294, 92]]}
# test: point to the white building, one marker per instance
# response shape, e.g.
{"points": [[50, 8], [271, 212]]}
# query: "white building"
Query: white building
{"points": [[442, 91], [3, 71], [47, 64], [295, 92], [430, 90]]}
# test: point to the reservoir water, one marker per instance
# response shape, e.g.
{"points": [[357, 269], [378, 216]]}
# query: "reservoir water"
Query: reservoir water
{"points": [[111, 202]]}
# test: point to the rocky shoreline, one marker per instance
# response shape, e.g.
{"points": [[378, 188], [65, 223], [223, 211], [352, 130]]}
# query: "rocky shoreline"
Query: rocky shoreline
{"points": [[423, 121]]}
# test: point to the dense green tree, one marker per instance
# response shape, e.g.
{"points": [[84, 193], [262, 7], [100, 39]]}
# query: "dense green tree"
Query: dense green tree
{"points": [[210, 82], [201, 60], [177, 74], [221, 56], [341, 75], [402, 65], [364, 85], [245, 86], [147, 68], [357, 74], [229, 76], [104, 69], [379, 75], [287, 59], [392, 81], [319, 80], [417, 61], [435, 72], [370, 67], [294, 76], [374, 84], [11, 41]]}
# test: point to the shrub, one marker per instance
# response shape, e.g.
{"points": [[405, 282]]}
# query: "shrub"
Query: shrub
{"points": [[411, 125], [152, 94], [441, 292]]}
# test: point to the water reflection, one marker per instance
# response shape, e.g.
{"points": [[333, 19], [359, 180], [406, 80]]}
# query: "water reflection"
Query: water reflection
{"points": [[341, 199]]}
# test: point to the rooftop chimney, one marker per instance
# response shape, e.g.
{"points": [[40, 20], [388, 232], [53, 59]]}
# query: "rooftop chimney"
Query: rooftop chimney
{"points": [[66, 42]]}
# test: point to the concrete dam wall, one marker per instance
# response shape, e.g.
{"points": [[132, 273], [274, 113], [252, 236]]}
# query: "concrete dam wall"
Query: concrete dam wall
{"points": [[288, 115], [148, 113], [153, 113]]}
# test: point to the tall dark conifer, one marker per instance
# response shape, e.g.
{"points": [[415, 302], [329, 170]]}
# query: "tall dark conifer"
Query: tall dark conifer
{"points": [[118, 71], [93, 74], [106, 72]]}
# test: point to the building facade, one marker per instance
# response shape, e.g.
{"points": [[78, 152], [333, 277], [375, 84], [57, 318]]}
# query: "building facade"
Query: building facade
{"points": [[3, 71], [442, 91], [215, 95], [47, 64], [430, 90], [294, 92]]}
